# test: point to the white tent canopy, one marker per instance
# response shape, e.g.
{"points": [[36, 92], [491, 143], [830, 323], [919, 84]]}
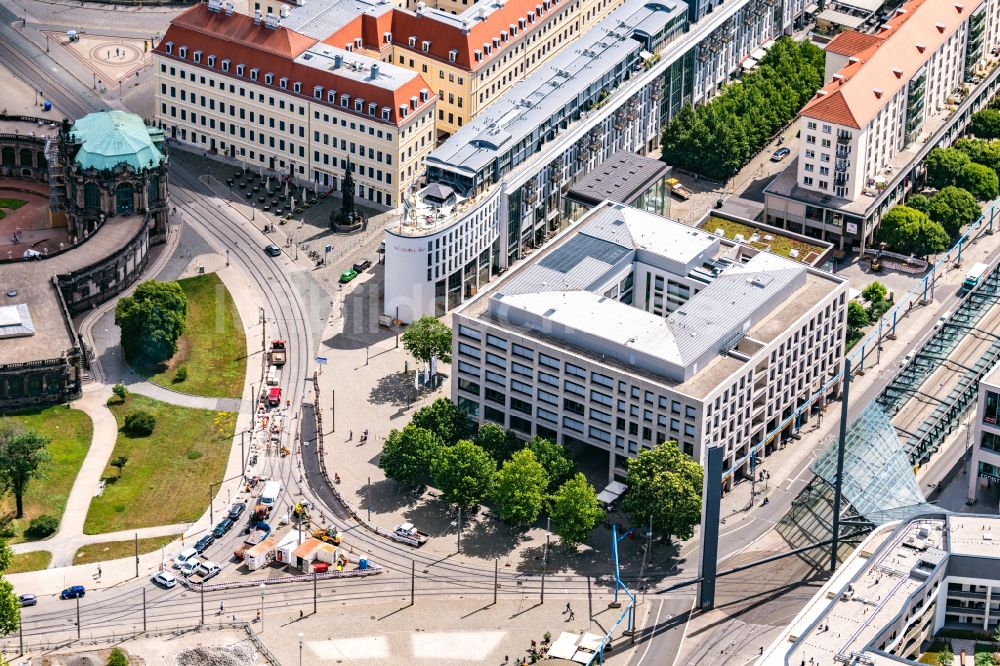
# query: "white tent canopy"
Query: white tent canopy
{"points": [[611, 492]]}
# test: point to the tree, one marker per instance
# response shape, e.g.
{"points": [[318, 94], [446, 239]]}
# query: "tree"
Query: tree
{"points": [[875, 292], [498, 442], [946, 656], [520, 488], [953, 208], [445, 419], [982, 152], [463, 472], [911, 232], [120, 392], [553, 458], [981, 181], [945, 166], [139, 423], [575, 510], [151, 320], [985, 124], [665, 485], [407, 455], [10, 606], [857, 316], [118, 463], [918, 202], [41, 527], [23, 457], [428, 337], [117, 657]]}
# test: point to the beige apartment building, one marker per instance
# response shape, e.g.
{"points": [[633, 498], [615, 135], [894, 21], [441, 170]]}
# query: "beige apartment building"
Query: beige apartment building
{"points": [[255, 91], [469, 53]]}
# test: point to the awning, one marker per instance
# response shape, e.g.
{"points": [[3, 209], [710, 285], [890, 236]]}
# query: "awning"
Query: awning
{"points": [[759, 54], [749, 63], [611, 492], [812, 8], [840, 18], [645, 55]]}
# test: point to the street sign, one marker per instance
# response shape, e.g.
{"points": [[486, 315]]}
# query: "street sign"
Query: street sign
{"points": [[321, 360], [328, 248]]}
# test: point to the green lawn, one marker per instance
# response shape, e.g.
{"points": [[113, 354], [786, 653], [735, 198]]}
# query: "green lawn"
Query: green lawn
{"points": [[70, 430], [10, 204], [113, 550], [166, 478], [33, 561], [213, 349], [780, 245]]}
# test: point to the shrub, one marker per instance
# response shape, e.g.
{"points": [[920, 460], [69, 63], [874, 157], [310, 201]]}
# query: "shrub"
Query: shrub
{"points": [[181, 374], [117, 657], [120, 392], [41, 527], [139, 424]]}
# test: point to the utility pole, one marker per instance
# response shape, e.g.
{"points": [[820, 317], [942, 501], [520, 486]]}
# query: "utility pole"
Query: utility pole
{"points": [[333, 410], [78, 618], [201, 587], [211, 509], [315, 592], [396, 326], [369, 499], [839, 483], [545, 557], [243, 454], [496, 580], [413, 580], [459, 530], [137, 555]]}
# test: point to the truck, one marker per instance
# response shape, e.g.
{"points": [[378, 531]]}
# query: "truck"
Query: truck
{"points": [[258, 515], [274, 397], [328, 535], [409, 534], [277, 354], [260, 532], [269, 495], [973, 277], [679, 190], [205, 571]]}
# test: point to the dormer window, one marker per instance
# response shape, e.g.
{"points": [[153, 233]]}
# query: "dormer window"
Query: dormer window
{"points": [[211, 61], [372, 108], [318, 92], [269, 78], [424, 94], [503, 35], [412, 41], [513, 29], [357, 42], [283, 82], [521, 23], [425, 46], [496, 42], [386, 111], [169, 46], [345, 100], [478, 55], [182, 52], [225, 65], [453, 55], [413, 103], [331, 97], [297, 87], [359, 105], [254, 73], [197, 56], [387, 37], [531, 16], [404, 110], [349, 47], [240, 69]]}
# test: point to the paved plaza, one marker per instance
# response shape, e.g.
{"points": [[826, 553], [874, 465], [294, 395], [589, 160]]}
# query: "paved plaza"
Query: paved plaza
{"points": [[110, 59]]}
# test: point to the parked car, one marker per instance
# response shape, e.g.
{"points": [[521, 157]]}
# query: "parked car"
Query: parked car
{"points": [[166, 579], [73, 592], [236, 510], [28, 599], [348, 275], [362, 265], [381, 247], [203, 543], [189, 567], [780, 154], [272, 250], [224, 526], [184, 556]]}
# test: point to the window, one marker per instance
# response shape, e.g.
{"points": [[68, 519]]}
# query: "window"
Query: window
{"points": [[575, 370], [991, 408], [496, 360], [550, 398], [602, 398], [545, 377], [572, 424], [495, 396], [468, 386], [827, 129], [496, 378], [546, 415], [470, 333], [494, 341], [549, 361], [521, 369], [602, 435], [573, 387], [464, 348], [603, 380]]}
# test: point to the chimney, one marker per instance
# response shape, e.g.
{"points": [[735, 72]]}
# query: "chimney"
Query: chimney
{"points": [[284, 11], [878, 92], [257, 16], [839, 78], [853, 60], [898, 72], [338, 61], [374, 70]]}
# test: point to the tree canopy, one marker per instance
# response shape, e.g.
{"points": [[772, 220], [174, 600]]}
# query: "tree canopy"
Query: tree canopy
{"points": [[909, 231], [666, 485], [408, 454], [981, 181], [575, 510], [520, 488], [463, 472], [945, 166], [875, 292], [23, 457], [857, 316], [985, 124], [553, 458], [151, 321], [445, 419], [953, 208], [717, 138], [498, 442], [10, 606], [428, 337], [918, 202], [982, 152]]}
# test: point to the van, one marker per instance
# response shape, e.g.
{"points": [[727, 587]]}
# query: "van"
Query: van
{"points": [[184, 556], [273, 375], [269, 495]]}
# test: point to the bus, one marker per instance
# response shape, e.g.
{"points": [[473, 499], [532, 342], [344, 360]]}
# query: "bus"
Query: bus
{"points": [[972, 279]]}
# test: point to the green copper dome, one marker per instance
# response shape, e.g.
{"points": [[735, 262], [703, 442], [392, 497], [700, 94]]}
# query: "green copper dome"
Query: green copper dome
{"points": [[111, 138]]}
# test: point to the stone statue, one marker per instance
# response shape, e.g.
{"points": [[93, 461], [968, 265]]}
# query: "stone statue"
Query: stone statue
{"points": [[347, 216]]}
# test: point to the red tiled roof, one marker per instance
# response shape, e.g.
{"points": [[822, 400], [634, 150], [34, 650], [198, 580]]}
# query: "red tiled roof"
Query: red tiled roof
{"points": [[851, 43], [239, 40], [444, 37], [832, 108]]}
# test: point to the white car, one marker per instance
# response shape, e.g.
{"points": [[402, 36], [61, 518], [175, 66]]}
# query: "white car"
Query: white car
{"points": [[190, 567], [166, 579], [942, 319]]}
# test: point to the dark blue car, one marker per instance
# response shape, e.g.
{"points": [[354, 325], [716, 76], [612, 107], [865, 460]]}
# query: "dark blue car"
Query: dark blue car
{"points": [[73, 592]]}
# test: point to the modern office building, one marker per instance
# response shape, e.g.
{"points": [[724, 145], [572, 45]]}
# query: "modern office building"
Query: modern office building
{"points": [[507, 172], [630, 329], [261, 93], [887, 94], [904, 583], [985, 435]]}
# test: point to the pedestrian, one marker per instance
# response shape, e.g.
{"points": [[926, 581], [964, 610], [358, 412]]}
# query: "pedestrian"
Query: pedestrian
{"points": [[258, 616], [506, 659], [350, 435], [222, 607], [567, 608], [572, 615], [98, 570], [761, 649], [300, 613]]}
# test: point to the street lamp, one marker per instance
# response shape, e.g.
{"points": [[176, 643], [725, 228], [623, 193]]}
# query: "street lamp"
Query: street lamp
{"points": [[262, 588], [300, 648]]}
